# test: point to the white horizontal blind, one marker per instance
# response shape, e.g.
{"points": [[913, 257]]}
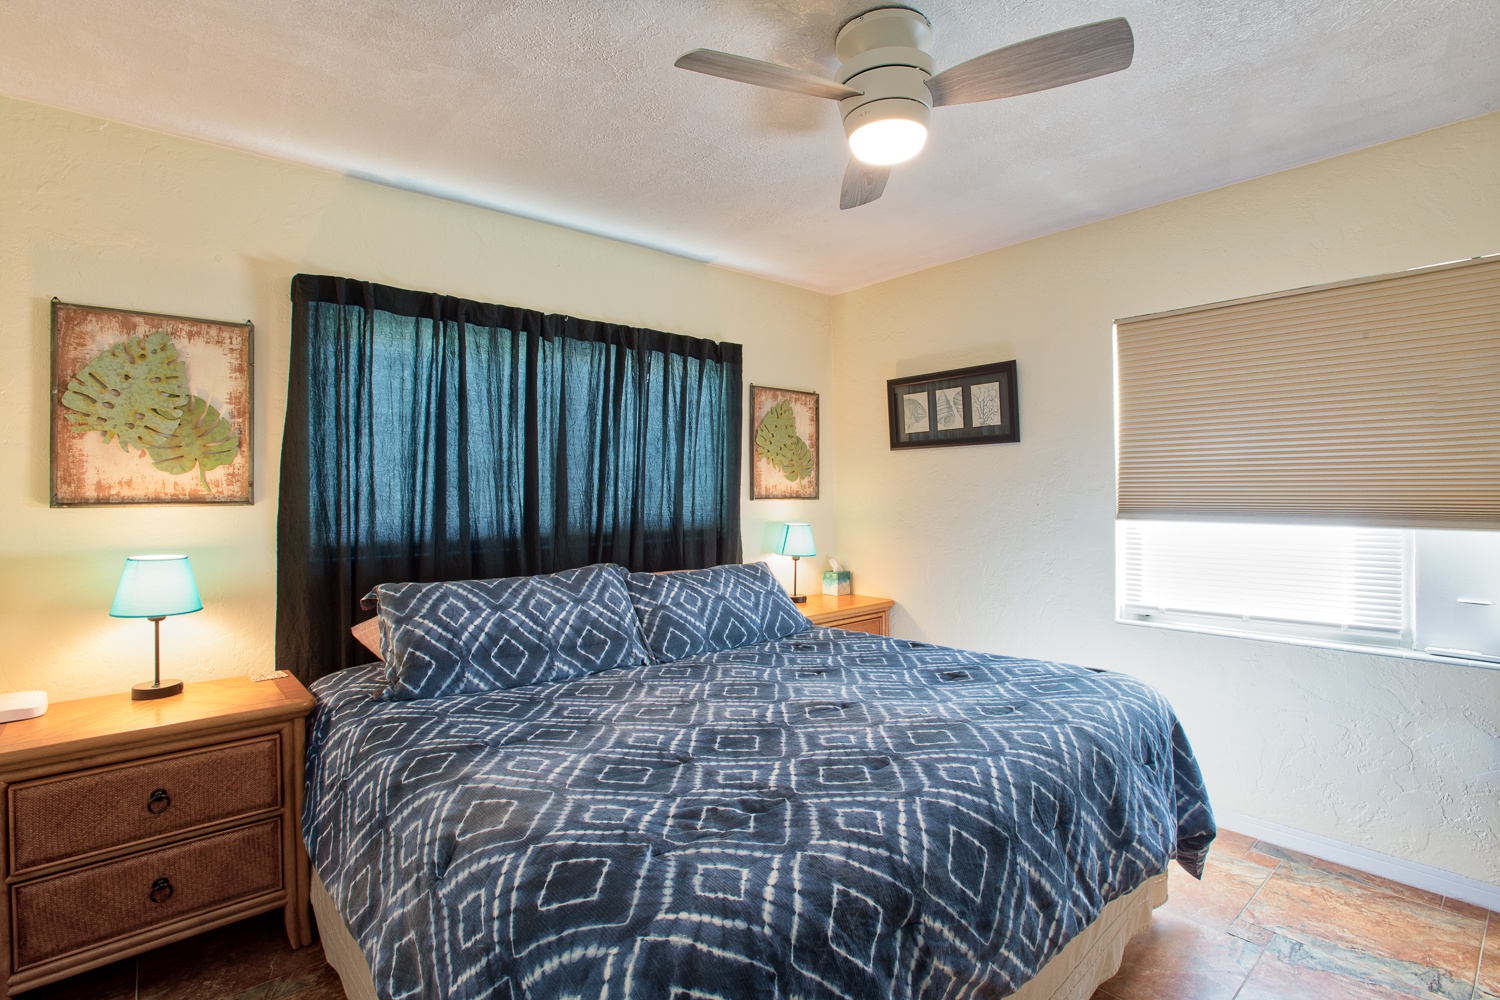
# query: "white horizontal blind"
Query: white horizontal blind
{"points": [[1324, 579], [1374, 401]]}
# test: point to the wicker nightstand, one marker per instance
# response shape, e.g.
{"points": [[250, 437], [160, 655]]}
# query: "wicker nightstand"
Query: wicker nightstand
{"points": [[132, 824], [855, 613]]}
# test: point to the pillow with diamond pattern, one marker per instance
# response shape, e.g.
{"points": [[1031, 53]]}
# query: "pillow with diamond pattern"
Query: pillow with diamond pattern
{"points": [[469, 636], [705, 610]]}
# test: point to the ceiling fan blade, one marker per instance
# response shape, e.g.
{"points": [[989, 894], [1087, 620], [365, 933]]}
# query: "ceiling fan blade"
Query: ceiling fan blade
{"points": [[1039, 63], [863, 183], [762, 74]]}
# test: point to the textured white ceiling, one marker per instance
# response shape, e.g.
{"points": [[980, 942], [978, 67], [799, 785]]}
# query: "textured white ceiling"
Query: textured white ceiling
{"points": [[570, 110]]}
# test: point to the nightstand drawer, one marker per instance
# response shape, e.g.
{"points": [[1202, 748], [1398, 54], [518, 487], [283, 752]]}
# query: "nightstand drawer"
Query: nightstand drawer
{"points": [[53, 819], [875, 626], [65, 913]]}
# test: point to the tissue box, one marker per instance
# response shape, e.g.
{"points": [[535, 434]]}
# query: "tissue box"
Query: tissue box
{"points": [[836, 583]]}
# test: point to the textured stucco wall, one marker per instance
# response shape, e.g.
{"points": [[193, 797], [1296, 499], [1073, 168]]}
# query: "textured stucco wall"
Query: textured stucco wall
{"points": [[1009, 547], [104, 214]]}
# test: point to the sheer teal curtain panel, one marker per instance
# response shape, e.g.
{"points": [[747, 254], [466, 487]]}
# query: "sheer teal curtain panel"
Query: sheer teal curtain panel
{"points": [[433, 438]]}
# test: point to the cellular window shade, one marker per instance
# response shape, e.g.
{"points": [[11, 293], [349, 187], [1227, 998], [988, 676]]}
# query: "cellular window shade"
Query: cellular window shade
{"points": [[1374, 401]]}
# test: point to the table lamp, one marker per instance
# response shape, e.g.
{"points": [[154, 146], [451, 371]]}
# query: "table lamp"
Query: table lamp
{"points": [[155, 587], [796, 541]]}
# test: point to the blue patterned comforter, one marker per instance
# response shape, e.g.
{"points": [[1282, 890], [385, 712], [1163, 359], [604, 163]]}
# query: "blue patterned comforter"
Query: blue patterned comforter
{"points": [[828, 815]]}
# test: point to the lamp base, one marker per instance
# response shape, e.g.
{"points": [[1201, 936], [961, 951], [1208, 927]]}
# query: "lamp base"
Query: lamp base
{"points": [[147, 690], [799, 598]]}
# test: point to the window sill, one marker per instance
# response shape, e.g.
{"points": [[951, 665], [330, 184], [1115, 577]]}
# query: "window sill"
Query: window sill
{"points": [[1396, 652]]}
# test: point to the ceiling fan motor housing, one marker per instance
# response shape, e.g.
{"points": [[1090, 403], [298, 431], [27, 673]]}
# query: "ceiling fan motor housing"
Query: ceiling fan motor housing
{"points": [[883, 54]]}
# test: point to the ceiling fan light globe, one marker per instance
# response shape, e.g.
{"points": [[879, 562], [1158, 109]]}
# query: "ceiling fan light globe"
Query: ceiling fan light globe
{"points": [[886, 141]]}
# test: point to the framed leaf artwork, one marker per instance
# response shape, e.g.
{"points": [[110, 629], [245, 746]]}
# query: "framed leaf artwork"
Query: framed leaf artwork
{"points": [[149, 409], [783, 444], [964, 406]]}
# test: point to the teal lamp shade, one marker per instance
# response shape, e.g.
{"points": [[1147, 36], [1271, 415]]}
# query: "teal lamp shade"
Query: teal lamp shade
{"points": [[797, 540], [156, 587]]}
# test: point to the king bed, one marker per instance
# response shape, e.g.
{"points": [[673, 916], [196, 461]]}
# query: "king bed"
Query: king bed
{"points": [[596, 784]]}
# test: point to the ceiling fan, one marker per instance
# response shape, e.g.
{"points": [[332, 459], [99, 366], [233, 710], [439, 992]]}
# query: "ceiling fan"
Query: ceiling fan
{"points": [[886, 88]]}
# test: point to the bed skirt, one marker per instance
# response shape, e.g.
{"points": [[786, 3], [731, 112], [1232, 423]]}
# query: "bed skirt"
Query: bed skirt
{"points": [[1072, 974]]}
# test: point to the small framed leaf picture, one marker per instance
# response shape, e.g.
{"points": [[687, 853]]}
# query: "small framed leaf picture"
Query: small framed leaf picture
{"points": [[783, 444], [149, 409], [975, 405]]}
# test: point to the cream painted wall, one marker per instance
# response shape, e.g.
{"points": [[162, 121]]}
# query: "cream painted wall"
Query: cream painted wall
{"points": [[104, 214], [1010, 547]]}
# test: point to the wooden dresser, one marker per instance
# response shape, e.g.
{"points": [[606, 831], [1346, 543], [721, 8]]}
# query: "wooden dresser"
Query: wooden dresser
{"points": [[132, 824], [855, 613]]}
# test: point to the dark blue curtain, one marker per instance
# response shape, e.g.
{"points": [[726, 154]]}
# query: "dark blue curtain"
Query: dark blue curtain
{"points": [[433, 438]]}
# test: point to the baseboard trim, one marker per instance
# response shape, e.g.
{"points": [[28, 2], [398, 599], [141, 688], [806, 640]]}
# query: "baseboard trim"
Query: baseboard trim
{"points": [[1412, 873]]}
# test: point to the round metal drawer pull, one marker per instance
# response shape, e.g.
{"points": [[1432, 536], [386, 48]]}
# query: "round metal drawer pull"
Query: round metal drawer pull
{"points": [[159, 802], [161, 890]]}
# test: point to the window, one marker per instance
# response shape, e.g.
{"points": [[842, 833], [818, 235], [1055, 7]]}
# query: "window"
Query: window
{"points": [[1398, 591], [1318, 466], [1314, 581]]}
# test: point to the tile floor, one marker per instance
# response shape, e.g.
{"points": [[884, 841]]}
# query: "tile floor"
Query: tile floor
{"points": [[1264, 924], [250, 960], [1271, 924]]}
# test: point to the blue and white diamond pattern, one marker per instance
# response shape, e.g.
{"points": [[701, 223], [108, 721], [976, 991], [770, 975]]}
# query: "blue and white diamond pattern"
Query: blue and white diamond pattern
{"points": [[707, 610], [470, 636], [826, 815]]}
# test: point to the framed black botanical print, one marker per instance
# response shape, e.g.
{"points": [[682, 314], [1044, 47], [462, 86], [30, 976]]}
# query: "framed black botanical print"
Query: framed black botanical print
{"points": [[975, 405]]}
